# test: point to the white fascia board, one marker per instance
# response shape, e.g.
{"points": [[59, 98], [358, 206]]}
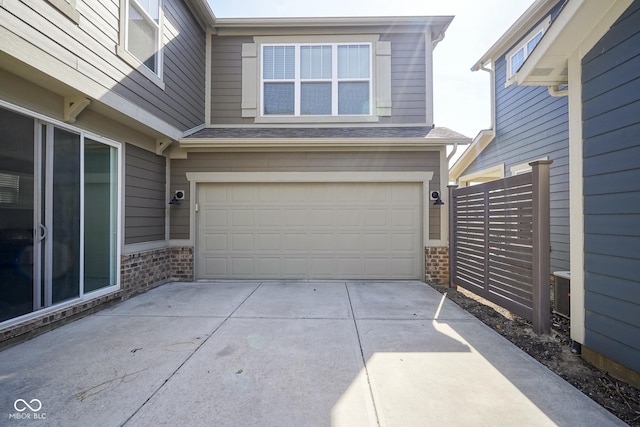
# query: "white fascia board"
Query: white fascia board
{"points": [[580, 24], [519, 29], [479, 143]]}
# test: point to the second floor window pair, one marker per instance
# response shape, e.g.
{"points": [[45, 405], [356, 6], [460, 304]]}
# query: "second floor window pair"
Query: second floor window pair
{"points": [[316, 80]]}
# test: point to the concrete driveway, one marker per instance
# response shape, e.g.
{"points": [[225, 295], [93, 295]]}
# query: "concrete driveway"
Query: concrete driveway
{"points": [[296, 353]]}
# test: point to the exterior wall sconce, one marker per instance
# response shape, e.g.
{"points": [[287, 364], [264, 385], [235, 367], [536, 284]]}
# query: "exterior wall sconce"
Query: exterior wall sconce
{"points": [[435, 195], [177, 196]]}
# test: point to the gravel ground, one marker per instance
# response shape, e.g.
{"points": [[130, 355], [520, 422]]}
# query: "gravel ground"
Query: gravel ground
{"points": [[554, 351]]}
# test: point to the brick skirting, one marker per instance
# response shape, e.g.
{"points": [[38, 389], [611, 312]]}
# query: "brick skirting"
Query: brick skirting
{"points": [[139, 272], [436, 265]]}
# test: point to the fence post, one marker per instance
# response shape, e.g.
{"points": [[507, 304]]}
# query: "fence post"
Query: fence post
{"points": [[452, 230], [541, 246]]}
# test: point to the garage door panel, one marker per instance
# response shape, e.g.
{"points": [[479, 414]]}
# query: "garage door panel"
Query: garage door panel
{"points": [[215, 241], [294, 217], [310, 230], [215, 266], [351, 266], [376, 194], [269, 267], [242, 267], [376, 218], [269, 242], [241, 218], [348, 242], [376, 267], [350, 217], [295, 242], [377, 242], [402, 194], [403, 218], [403, 242], [321, 217], [214, 218], [242, 242], [268, 217]]}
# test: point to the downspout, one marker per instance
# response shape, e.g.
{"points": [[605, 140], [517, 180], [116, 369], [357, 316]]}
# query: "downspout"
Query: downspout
{"points": [[450, 156], [492, 74]]}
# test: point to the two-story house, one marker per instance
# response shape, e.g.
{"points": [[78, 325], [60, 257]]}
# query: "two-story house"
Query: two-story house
{"points": [[148, 141], [588, 53], [319, 155]]}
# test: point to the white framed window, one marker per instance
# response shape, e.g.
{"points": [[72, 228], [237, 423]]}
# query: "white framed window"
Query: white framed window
{"points": [[141, 23], [316, 79], [518, 55]]}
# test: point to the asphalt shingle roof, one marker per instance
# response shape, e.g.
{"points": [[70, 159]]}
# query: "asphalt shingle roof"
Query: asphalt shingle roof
{"points": [[325, 132]]}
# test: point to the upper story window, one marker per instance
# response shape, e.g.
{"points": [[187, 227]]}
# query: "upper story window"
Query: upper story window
{"points": [[331, 79], [517, 56], [143, 32]]}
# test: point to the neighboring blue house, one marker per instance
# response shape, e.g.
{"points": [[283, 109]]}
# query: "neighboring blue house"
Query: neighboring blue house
{"points": [[528, 123], [591, 50]]}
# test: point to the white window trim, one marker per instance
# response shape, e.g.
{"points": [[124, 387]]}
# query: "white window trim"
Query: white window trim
{"points": [[540, 29], [334, 80], [131, 59], [524, 167], [67, 8], [252, 78]]}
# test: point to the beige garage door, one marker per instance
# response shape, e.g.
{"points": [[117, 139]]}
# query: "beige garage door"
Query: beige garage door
{"points": [[309, 230]]}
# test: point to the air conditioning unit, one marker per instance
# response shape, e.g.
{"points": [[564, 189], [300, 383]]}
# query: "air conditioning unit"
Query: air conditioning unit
{"points": [[562, 293]]}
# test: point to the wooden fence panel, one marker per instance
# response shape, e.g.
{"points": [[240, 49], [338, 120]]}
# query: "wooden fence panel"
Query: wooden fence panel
{"points": [[498, 238]]}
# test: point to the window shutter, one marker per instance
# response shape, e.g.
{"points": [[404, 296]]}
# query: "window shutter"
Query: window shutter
{"points": [[383, 78], [249, 80]]}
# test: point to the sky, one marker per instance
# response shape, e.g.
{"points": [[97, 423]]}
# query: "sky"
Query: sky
{"points": [[461, 96]]}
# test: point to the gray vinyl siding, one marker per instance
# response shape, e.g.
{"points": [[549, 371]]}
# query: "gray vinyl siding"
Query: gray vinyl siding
{"points": [[611, 129], [303, 162], [408, 79], [226, 80], [145, 196], [531, 124], [90, 48]]}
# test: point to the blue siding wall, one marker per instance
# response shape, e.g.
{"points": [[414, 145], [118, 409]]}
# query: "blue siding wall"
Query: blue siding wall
{"points": [[611, 132], [531, 124]]}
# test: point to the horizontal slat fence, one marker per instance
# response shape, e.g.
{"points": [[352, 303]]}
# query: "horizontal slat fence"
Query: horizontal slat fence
{"points": [[499, 242]]}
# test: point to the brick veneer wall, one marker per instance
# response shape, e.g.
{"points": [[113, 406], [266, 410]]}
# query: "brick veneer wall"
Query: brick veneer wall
{"points": [[144, 270], [139, 272], [182, 263], [436, 265]]}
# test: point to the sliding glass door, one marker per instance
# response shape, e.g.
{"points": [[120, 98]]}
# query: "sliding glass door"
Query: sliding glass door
{"points": [[17, 166], [59, 217]]}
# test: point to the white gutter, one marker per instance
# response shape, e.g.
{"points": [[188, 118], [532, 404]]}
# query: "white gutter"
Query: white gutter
{"points": [[557, 92]]}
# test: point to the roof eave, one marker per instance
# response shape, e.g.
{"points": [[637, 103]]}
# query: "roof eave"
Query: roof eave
{"points": [[225, 144], [578, 27], [479, 143], [253, 26], [203, 13], [519, 29]]}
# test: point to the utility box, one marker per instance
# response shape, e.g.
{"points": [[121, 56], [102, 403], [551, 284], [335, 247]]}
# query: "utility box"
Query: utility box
{"points": [[562, 293]]}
